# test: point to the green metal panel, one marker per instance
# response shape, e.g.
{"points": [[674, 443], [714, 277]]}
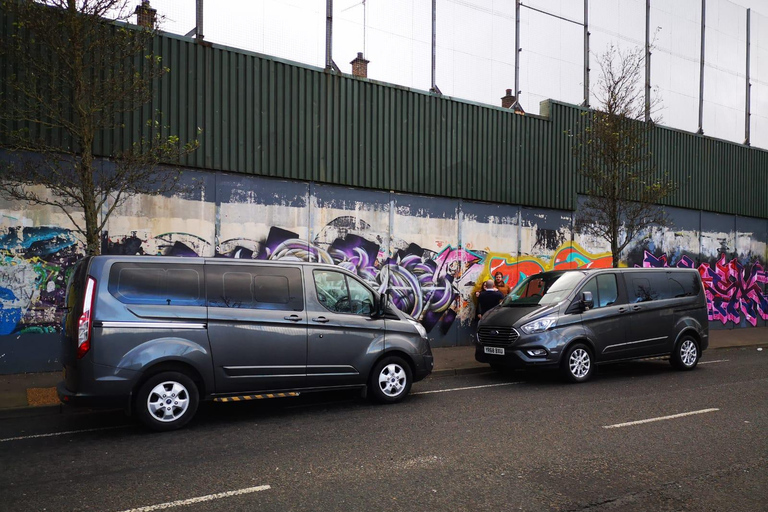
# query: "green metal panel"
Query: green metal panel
{"points": [[262, 115]]}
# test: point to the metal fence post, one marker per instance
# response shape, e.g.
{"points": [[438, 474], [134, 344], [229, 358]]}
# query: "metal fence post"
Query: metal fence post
{"points": [[517, 51], [434, 45], [748, 102], [586, 53], [700, 131], [328, 34], [199, 34], [647, 60]]}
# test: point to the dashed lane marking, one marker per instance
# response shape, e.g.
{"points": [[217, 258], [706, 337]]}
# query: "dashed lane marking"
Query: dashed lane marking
{"points": [[53, 434], [466, 388], [199, 499], [661, 418], [715, 361]]}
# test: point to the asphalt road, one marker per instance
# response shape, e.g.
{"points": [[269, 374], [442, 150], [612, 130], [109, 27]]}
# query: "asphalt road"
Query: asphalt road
{"points": [[474, 442]]}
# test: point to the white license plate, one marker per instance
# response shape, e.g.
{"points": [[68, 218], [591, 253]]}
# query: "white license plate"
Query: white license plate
{"points": [[494, 350]]}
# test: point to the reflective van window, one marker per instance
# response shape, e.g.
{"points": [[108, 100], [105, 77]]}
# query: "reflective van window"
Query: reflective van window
{"points": [[607, 290], [647, 286], [255, 287], [684, 284], [340, 293], [604, 290], [157, 283]]}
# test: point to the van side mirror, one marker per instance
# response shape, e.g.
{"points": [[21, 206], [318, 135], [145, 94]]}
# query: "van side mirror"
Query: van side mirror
{"points": [[586, 300]]}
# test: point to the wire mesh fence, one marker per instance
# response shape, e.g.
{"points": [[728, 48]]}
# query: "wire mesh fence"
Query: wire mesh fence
{"points": [[467, 48]]}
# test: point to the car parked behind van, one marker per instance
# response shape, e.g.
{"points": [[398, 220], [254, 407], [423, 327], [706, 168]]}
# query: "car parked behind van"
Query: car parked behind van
{"points": [[576, 319], [156, 335]]}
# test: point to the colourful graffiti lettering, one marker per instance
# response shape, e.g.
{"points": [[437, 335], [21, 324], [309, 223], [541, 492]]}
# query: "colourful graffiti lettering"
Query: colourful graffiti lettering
{"points": [[733, 290]]}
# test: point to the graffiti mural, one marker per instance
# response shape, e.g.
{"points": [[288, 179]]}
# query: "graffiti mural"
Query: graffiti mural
{"points": [[732, 289], [431, 255], [34, 264]]}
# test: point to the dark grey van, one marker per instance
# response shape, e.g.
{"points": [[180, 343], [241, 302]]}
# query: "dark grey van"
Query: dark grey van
{"points": [[158, 334], [575, 319]]}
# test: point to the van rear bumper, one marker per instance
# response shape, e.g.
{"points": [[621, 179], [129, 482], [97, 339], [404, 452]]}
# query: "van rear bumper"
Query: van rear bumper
{"points": [[88, 400]]}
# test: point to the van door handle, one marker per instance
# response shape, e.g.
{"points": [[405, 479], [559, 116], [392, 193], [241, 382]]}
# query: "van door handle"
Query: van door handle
{"points": [[637, 308], [293, 318], [622, 310], [321, 319]]}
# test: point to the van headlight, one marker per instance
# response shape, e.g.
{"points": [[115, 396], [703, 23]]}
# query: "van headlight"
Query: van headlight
{"points": [[419, 328], [540, 325]]}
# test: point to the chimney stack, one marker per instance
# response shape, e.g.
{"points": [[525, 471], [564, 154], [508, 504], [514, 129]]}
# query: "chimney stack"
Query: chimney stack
{"points": [[508, 100], [360, 66], [146, 16]]}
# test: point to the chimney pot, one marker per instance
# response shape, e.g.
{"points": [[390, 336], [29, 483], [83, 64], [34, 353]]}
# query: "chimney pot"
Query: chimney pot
{"points": [[508, 100], [360, 66], [146, 16]]}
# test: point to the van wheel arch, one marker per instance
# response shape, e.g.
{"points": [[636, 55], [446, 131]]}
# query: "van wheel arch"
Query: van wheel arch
{"points": [[584, 341], [172, 366], [398, 353]]}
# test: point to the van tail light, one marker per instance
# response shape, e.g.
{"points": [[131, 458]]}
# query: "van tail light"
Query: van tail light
{"points": [[85, 324]]}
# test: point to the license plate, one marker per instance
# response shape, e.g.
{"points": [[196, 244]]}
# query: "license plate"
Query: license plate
{"points": [[494, 350]]}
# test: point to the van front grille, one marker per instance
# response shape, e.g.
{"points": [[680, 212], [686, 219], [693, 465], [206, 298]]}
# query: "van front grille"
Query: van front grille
{"points": [[497, 335]]}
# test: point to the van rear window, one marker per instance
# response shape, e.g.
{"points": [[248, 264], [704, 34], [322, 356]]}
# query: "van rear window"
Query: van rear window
{"points": [[255, 287], [157, 283]]}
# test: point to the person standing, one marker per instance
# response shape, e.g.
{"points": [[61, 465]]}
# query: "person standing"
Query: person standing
{"points": [[498, 281], [488, 299]]}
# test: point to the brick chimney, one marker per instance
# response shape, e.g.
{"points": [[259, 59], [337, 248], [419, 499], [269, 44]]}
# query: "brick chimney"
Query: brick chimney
{"points": [[508, 100], [146, 16], [360, 66]]}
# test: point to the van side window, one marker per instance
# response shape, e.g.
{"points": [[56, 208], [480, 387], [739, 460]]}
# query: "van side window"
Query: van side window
{"points": [[684, 285], [255, 287], [604, 290], [608, 290], [647, 286], [342, 294], [157, 283]]}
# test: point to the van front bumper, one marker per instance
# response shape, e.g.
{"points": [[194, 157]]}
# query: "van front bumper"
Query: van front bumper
{"points": [[424, 369], [514, 358]]}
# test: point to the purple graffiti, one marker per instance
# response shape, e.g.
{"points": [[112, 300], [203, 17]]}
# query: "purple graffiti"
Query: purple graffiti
{"points": [[732, 290]]}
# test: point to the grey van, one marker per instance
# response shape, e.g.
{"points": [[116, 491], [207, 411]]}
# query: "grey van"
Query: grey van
{"points": [[158, 334], [576, 319]]}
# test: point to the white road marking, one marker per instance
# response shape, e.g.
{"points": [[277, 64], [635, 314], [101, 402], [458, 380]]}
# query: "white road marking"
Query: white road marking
{"points": [[468, 387], [715, 361], [640, 422], [200, 499], [20, 438]]}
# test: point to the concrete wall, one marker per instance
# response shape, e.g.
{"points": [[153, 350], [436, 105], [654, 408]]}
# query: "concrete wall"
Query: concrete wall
{"points": [[431, 252]]}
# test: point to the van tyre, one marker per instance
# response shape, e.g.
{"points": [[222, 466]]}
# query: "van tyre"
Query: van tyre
{"points": [[390, 381], [686, 354], [167, 401], [578, 364]]}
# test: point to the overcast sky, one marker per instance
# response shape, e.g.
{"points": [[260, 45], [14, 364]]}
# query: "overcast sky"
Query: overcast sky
{"points": [[475, 47]]}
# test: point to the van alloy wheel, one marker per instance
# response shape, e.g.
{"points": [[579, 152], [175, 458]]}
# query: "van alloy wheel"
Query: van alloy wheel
{"points": [[168, 401], [688, 353], [392, 380], [579, 363]]}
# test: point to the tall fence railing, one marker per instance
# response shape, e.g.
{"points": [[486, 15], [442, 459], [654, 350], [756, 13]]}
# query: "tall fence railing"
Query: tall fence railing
{"points": [[708, 60]]}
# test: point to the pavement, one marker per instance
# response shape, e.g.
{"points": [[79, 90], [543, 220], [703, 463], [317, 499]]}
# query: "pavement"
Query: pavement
{"points": [[35, 393]]}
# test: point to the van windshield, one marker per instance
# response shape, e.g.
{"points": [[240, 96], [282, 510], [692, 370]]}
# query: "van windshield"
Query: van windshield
{"points": [[543, 289]]}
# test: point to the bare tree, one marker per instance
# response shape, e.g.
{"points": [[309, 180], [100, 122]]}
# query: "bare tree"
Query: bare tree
{"points": [[624, 188], [72, 72]]}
